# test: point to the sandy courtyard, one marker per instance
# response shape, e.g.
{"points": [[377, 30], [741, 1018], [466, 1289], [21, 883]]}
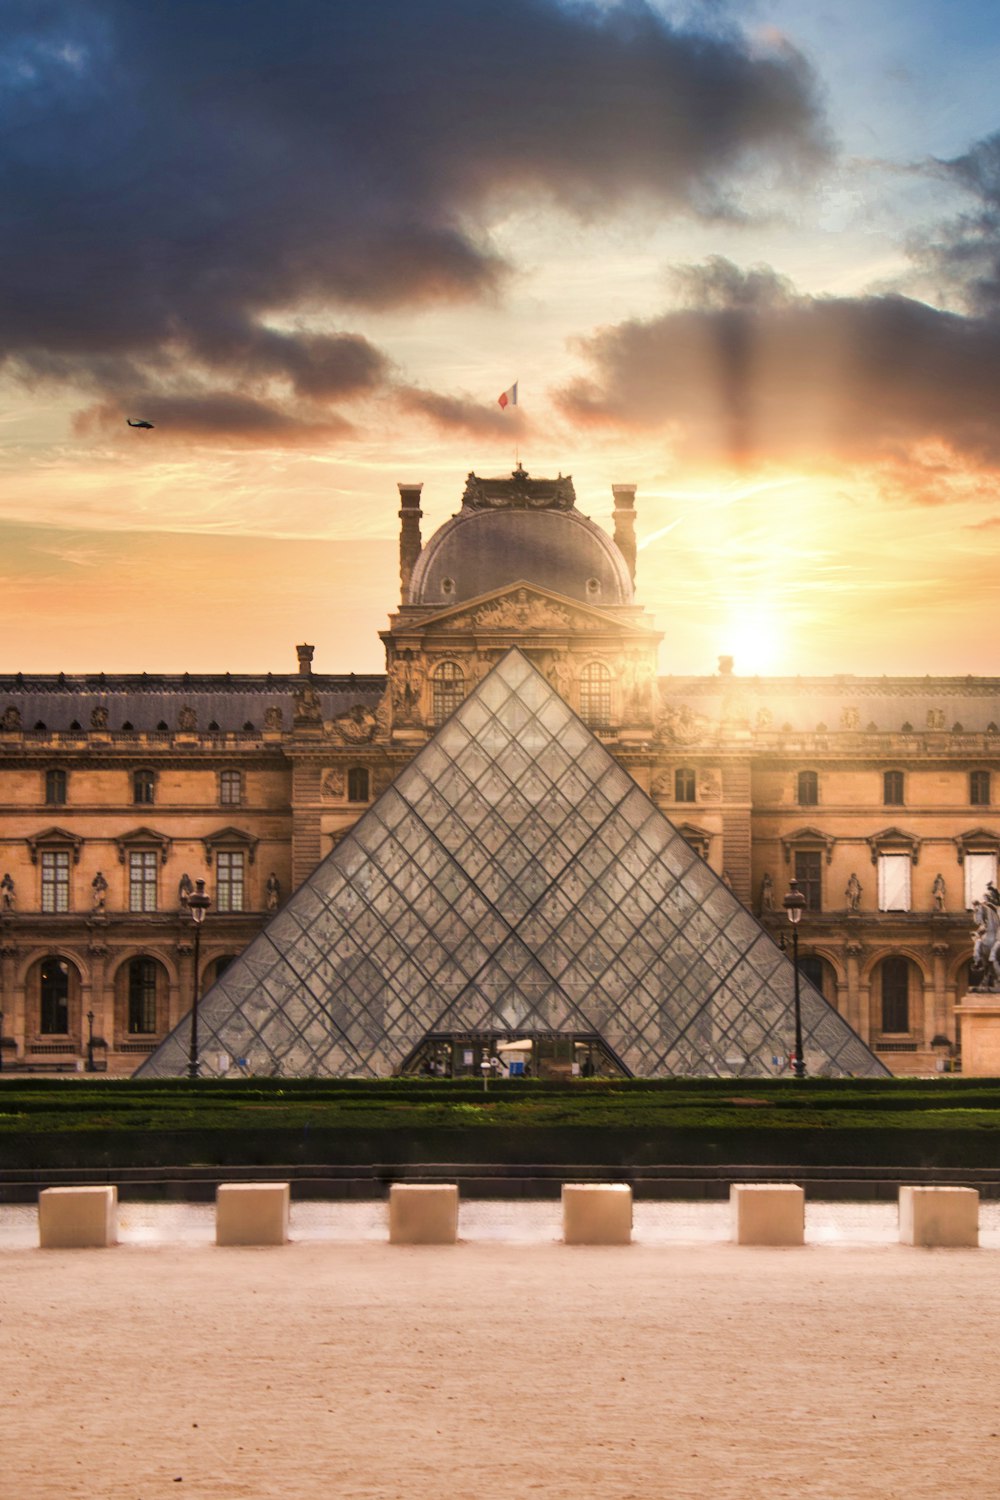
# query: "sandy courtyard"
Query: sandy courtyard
{"points": [[350, 1368]]}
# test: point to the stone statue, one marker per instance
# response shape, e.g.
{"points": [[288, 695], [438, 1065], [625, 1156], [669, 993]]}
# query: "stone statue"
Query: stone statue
{"points": [[7, 897], [187, 719], [561, 675], [273, 717], [727, 880], [11, 718], [184, 888], [99, 886], [853, 893], [99, 717], [767, 893], [272, 892], [407, 679], [357, 726], [986, 943], [938, 893]]}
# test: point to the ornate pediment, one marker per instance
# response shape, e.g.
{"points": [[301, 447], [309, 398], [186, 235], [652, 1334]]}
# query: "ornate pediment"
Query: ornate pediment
{"points": [[976, 841], [808, 838], [143, 838], [526, 607], [230, 838], [54, 838], [894, 841]]}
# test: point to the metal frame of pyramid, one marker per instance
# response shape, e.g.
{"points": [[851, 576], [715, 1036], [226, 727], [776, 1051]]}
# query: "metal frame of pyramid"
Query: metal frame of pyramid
{"points": [[513, 879]]}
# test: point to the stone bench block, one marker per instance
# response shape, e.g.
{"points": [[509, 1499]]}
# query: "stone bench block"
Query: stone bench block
{"points": [[767, 1214], [939, 1216], [77, 1218], [597, 1213], [251, 1213], [423, 1214]]}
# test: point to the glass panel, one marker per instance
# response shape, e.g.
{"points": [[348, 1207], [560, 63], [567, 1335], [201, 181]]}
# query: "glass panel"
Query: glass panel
{"points": [[514, 879]]}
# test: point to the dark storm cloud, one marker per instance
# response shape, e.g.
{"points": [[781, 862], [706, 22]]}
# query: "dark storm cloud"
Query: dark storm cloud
{"points": [[963, 257], [174, 175], [748, 371]]}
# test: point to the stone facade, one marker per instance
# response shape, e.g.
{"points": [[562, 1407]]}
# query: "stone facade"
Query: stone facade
{"points": [[117, 793]]}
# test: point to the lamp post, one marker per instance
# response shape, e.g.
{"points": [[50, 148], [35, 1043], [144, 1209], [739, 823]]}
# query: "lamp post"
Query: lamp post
{"points": [[90, 1041], [198, 904], [1, 1041], [794, 904]]}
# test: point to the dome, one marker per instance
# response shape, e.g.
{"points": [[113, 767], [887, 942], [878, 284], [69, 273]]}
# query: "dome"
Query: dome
{"points": [[515, 530]]}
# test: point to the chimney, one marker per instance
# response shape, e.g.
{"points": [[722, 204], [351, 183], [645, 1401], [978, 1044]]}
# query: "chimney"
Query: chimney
{"points": [[625, 524], [305, 655], [409, 535], [725, 666]]}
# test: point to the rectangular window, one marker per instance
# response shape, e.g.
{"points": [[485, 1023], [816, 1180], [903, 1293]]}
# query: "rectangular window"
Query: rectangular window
{"points": [[979, 788], [230, 788], [894, 882], [809, 874], [229, 881], [142, 880], [980, 871], [684, 785], [55, 881], [892, 788]]}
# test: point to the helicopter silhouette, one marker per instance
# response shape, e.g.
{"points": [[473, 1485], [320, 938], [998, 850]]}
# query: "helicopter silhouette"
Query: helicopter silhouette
{"points": [[138, 424]]}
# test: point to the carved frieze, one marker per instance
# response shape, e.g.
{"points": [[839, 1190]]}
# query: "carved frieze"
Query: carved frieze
{"points": [[521, 613], [357, 726], [334, 785]]}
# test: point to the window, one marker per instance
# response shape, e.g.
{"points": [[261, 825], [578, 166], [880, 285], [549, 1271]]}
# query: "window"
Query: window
{"points": [[218, 967], [894, 882], [895, 995], [819, 974], [980, 871], [357, 784], [808, 789], [53, 1008], [808, 873], [231, 788], [229, 880], [979, 788], [595, 695], [55, 788], [143, 788], [892, 788], [142, 973], [55, 880], [684, 786], [142, 868], [447, 692]]}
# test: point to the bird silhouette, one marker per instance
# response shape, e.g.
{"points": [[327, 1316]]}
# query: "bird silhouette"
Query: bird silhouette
{"points": [[138, 424]]}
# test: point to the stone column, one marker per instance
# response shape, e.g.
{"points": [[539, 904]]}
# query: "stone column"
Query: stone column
{"points": [[11, 1005], [409, 535], [936, 999], [857, 1005]]}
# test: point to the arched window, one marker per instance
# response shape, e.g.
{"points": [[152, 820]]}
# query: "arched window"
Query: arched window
{"points": [[595, 695], [143, 788], [892, 788], [447, 691], [808, 789], [895, 974], [53, 997], [820, 975], [143, 974], [684, 785], [979, 788], [358, 782], [55, 788], [218, 967]]}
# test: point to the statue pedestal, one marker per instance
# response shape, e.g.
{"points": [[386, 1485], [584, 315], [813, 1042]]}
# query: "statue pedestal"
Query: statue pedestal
{"points": [[979, 1019]]}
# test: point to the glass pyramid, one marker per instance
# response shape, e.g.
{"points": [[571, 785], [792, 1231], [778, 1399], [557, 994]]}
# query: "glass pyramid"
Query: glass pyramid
{"points": [[513, 880]]}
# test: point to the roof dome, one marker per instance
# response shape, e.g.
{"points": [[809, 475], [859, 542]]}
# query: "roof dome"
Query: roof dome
{"points": [[515, 529]]}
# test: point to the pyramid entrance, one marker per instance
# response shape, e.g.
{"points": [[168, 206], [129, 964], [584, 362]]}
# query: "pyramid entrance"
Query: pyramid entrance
{"points": [[553, 1055], [513, 883]]}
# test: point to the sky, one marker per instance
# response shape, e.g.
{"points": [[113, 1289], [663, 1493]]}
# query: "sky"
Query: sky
{"points": [[743, 255]]}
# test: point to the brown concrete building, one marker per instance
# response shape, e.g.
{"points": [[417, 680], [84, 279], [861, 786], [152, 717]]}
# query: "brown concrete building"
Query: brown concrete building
{"points": [[117, 793]]}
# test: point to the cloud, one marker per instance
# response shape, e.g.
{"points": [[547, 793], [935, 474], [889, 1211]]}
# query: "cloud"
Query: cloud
{"points": [[963, 255], [462, 413], [212, 416], [747, 371], [183, 180]]}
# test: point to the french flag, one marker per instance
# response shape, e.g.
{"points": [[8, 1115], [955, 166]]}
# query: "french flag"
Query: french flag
{"points": [[509, 398]]}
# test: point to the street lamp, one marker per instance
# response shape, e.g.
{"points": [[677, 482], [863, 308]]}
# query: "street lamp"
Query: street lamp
{"points": [[794, 904], [90, 1041], [197, 904]]}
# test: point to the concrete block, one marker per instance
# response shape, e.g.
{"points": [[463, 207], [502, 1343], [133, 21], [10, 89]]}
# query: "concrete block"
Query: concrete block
{"points": [[597, 1213], [251, 1213], [939, 1216], [77, 1218], [423, 1214], [767, 1213]]}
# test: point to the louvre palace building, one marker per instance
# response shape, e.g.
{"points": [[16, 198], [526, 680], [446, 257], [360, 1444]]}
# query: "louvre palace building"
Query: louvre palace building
{"points": [[519, 837]]}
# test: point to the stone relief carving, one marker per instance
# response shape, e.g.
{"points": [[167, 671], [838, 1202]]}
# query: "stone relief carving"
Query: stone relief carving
{"points": [[710, 787], [307, 705], [935, 718], [680, 724], [99, 717], [662, 784], [187, 719], [357, 726], [334, 784], [521, 613], [765, 718], [273, 717], [11, 717]]}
